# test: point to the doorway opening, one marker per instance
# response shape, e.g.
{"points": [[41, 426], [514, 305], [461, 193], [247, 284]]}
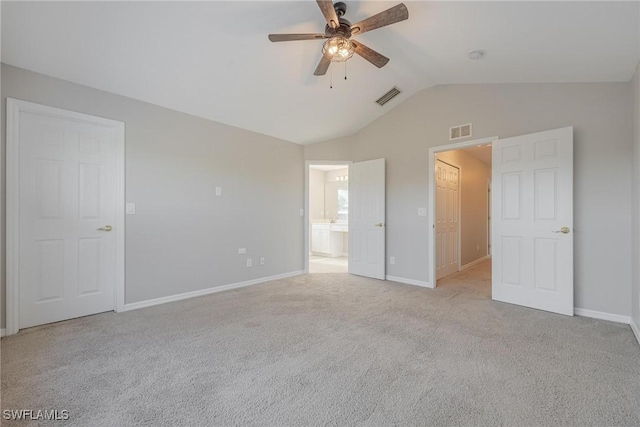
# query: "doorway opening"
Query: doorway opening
{"points": [[327, 212], [461, 213]]}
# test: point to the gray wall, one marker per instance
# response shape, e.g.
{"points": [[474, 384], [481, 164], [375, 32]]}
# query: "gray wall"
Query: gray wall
{"points": [[600, 114], [182, 238], [474, 204], [635, 294]]}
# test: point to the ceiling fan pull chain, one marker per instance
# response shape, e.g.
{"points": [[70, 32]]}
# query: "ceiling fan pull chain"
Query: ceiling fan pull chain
{"points": [[331, 83], [345, 70]]}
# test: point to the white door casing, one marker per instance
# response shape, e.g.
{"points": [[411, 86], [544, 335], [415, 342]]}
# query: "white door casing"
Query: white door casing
{"points": [[65, 181], [447, 218], [367, 219], [532, 236]]}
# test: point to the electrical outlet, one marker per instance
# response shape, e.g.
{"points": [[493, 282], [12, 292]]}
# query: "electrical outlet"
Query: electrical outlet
{"points": [[262, 261], [392, 260], [301, 212], [249, 263], [242, 251]]}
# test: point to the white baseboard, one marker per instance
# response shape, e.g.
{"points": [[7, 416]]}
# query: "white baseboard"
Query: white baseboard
{"points": [[409, 281], [3, 332], [636, 330], [187, 295], [602, 315], [472, 263]]}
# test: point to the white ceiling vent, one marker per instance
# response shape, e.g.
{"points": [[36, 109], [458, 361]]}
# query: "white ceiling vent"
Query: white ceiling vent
{"points": [[388, 96], [459, 132]]}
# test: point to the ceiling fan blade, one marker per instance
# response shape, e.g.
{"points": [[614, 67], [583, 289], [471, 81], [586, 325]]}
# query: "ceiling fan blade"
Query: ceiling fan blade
{"points": [[294, 37], [390, 16], [326, 6], [370, 55], [322, 67]]}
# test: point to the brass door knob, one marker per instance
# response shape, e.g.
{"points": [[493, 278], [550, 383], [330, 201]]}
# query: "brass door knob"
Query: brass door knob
{"points": [[106, 228], [379, 224], [563, 230]]}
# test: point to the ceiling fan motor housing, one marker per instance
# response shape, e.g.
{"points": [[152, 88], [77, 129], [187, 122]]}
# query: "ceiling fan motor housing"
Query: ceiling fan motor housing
{"points": [[344, 29], [345, 25], [340, 8]]}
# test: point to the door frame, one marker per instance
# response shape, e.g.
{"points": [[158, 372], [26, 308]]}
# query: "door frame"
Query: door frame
{"points": [[453, 165], [489, 212], [307, 219], [14, 108], [432, 191]]}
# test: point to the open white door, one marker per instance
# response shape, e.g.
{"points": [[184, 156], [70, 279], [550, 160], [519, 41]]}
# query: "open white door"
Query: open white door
{"points": [[533, 220], [367, 219]]}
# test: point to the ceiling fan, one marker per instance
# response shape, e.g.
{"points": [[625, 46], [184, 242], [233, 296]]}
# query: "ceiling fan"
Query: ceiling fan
{"points": [[339, 47]]}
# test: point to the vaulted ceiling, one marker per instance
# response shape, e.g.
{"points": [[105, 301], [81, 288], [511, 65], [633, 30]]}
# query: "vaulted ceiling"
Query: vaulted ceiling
{"points": [[213, 59]]}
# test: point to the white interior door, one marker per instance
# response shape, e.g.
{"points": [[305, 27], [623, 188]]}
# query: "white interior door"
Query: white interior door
{"points": [[66, 192], [367, 219], [447, 218], [533, 220]]}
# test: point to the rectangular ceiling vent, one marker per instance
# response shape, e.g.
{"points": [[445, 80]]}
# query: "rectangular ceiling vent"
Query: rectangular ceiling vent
{"points": [[459, 132], [388, 96]]}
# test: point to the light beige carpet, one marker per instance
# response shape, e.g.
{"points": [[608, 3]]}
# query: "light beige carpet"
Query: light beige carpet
{"points": [[320, 264], [330, 349]]}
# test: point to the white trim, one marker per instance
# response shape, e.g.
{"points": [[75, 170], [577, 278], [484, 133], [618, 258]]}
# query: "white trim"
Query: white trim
{"points": [[636, 330], [12, 301], [120, 217], [3, 332], [14, 107], [432, 192], [208, 291], [472, 263], [602, 315], [307, 219], [409, 281]]}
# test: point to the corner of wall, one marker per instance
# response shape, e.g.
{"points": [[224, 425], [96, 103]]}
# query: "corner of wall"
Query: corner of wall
{"points": [[636, 329], [635, 285]]}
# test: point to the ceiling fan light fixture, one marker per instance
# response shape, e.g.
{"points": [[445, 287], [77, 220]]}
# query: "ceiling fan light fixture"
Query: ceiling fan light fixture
{"points": [[338, 48]]}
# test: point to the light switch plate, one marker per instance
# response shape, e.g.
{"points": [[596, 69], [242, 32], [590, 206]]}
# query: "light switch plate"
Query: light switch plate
{"points": [[131, 209], [422, 211], [301, 212], [242, 251], [218, 191]]}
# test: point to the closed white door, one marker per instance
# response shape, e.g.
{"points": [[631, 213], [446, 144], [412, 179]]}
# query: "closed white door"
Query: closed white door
{"points": [[66, 194], [367, 219], [447, 218], [532, 196]]}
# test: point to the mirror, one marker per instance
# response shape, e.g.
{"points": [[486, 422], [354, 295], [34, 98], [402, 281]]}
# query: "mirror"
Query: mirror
{"points": [[343, 201]]}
